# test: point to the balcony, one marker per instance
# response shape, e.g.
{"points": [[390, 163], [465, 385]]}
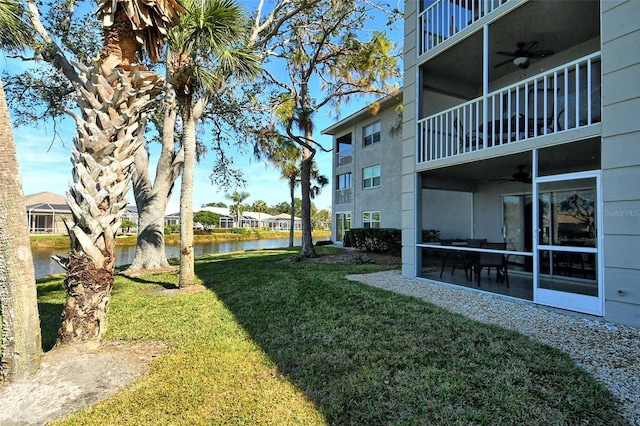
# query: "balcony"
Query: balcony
{"points": [[562, 99], [445, 18], [342, 196], [344, 156]]}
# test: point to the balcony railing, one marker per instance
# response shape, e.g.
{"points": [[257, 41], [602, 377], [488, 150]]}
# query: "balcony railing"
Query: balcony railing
{"points": [[445, 18], [343, 196], [565, 98], [344, 157]]}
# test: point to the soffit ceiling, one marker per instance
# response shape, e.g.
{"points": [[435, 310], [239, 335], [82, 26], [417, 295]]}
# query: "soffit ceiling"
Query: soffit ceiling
{"points": [[564, 158], [551, 23]]}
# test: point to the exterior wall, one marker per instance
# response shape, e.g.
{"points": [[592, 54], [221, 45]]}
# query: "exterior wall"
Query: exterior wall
{"points": [[409, 195], [621, 159], [456, 222], [337, 204], [386, 153], [488, 200]]}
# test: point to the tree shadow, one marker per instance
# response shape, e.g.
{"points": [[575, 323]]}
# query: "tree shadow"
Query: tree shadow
{"points": [[141, 280], [50, 317], [367, 356]]}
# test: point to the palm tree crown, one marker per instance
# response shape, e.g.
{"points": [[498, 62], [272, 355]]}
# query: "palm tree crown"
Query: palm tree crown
{"points": [[15, 33], [208, 46], [129, 24]]}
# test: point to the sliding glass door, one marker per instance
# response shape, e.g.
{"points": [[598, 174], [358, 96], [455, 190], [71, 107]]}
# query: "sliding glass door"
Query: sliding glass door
{"points": [[343, 224], [516, 229], [567, 250]]}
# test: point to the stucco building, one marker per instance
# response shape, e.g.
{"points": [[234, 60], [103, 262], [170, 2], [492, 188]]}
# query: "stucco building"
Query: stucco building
{"points": [[520, 144], [366, 168]]}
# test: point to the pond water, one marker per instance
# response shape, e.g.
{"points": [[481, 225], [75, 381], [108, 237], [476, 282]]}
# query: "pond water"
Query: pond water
{"points": [[44, 265]]}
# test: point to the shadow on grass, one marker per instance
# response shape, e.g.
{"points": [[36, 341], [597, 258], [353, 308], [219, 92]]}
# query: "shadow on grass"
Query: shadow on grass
{"points": [[155, 282], [49, 323], [366, 356]]}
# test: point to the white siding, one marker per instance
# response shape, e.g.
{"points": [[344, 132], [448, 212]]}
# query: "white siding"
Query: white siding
{"points": [[621, 159], [408, 142]]}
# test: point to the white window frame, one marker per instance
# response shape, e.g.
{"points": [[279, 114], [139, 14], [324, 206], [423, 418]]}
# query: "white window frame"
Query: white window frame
{"points": [[369, 175], [373, 132], [339, 181], [369, 221]]}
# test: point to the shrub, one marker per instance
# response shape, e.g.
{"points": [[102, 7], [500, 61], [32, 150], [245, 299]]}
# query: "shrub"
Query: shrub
{"points": [[430, 235], [377, 240], [171, 229]]}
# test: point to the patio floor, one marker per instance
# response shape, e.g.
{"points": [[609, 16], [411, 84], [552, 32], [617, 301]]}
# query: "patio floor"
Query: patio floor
{"points": [[520, 286], [520, 283]]}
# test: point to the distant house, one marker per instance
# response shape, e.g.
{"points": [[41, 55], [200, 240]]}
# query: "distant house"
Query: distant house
{"points": [[172, 215], [282, 222], [227, 220], [254, 219], [45, 211], [131, 213]]}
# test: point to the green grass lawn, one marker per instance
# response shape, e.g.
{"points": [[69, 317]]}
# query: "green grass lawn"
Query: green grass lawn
{"points": [[285, 343]]}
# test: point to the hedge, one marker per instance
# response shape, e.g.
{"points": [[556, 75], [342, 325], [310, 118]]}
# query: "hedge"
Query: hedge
{"points": [[377, 240]]}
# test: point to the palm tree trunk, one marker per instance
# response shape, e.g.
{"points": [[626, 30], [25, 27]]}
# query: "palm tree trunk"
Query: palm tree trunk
{"points": [[152, 199], [21, 339], [150, 247], [292, 221], [187, 274], [308, 250], [109, 132]]}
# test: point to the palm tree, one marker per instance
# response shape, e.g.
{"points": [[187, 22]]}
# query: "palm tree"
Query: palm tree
{"points": [[259, 206], [21, 339], [203, 52], [152, 195], [237, 198], [285, 154], [113, 96], [324, 43]]}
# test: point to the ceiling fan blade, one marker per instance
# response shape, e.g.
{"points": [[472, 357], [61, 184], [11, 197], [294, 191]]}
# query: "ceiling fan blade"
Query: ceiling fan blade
{"points": [[503, 63], [506, 53], [531, 47], [541, 53]]}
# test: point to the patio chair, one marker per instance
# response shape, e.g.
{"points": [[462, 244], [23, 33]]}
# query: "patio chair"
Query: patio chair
{"points": [[568, 263], [452, 258], [492, 260], [470, 257], [543, 122]]}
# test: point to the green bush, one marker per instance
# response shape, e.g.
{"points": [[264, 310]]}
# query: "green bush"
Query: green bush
{"points": [[377, 240], [430, 235], [171, 229], [241, 231], [220, 230]]}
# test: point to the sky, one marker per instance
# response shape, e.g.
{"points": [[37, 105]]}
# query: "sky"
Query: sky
{"points": [[45, 163]]}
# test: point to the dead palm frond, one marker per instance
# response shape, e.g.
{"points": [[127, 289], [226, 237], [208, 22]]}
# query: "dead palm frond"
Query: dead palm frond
{"points": [[150, 20]]}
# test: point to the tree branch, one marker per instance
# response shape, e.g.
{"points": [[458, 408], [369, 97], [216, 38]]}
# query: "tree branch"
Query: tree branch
{"points": [[51, 52], [271, 25]]}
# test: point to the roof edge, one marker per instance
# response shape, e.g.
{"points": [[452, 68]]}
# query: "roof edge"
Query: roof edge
{"points": [[385, 102]]}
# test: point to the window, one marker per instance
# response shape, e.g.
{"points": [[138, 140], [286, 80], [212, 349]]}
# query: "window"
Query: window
{"points": [[343, 150], [371, 219], [343, 224], [371, 177], [371, 133], [343, 181]]}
